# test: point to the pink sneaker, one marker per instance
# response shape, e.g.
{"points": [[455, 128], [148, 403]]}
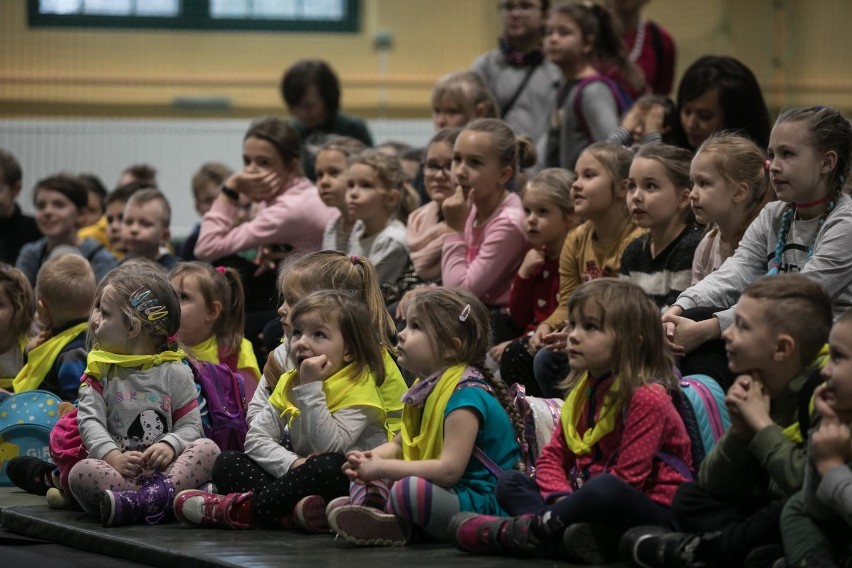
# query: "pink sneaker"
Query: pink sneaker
{"points": [[309, 515], [198, 508], [369, 527]]}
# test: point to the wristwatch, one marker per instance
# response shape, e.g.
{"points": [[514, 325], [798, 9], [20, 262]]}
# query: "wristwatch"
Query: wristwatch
{"points": [[230, 193]]}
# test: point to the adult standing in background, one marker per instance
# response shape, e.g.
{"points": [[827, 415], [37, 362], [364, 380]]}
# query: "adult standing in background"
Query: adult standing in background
{"points": [[517, 73]]}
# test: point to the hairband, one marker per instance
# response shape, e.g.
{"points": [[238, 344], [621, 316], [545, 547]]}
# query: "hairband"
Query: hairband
{"points": [[465, 313], [221, 269], [172, 338], [148, 306], [354, 259]]}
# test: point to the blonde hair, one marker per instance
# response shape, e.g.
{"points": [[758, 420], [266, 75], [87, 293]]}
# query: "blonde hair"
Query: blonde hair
{"points": [[66, 286], [614, 159], [21, 297], [346, 145], [392, 177], [467, 89], [553, 184], [515, 151], [209, 173], [144, 196], [221, 285], [639, 354]]}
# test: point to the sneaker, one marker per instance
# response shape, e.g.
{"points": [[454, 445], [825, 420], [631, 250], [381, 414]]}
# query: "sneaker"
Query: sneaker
{"points": [[58, 499], [150, 503], [483, 534], [657, 547], [336, 503], [591, 543], [30, 474], [369, 527], [194, 507], [764, 556], [309, 515]]}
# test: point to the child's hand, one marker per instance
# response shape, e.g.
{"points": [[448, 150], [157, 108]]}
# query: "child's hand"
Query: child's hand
{"points": [[456, 208], [536, 342], [824, 402], [654, 119], [736, 393], [158, 456], [128, 464], [752, 402], [257, 186], [314, 369], [533, 261], [366, 466], [497, 351], [352, 463], [556, 341], [831, 445]]}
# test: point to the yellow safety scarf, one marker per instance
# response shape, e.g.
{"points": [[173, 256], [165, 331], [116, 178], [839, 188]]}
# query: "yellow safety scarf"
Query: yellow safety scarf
{"points": [[392, 390], [98, 361], [422, 431], [793, 432], [341, 391], [6, 382], [42, 358], [208, 350], [572, 411]]}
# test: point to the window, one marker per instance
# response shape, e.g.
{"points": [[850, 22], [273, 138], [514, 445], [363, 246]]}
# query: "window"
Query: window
{"points": [[269, 15]]}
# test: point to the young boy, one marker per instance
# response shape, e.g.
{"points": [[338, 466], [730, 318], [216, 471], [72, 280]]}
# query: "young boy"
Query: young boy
{"points": [[816, 521], [145, 229], [206, 185], [56, 358], [16, 229], [732, 513], [93, 223]]}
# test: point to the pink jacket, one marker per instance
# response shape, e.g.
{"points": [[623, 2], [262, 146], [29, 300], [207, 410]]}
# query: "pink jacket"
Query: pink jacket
{"points": [[425, 239]]}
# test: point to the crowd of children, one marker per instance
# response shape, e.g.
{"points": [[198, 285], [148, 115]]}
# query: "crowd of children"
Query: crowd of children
{"points": [[662, 242]]}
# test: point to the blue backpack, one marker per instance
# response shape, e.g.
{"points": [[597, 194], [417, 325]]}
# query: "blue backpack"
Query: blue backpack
{"points": [[223, 406], [25, 422]]}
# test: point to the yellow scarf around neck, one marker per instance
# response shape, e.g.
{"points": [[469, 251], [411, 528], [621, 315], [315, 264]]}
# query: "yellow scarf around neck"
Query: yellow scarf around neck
{"points": [[6, 382], [208, 350], [422, 431], [98, 361], [42, 358], [572, 412], [392, 390]]}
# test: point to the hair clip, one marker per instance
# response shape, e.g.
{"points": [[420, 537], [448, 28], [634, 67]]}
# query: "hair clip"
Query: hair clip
{"points": [[221, 269], [766, 165], [465, 313], [150, 307]]}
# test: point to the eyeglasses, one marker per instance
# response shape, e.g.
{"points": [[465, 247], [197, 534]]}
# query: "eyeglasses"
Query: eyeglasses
{"points": [[522, 7], [432, 168]]}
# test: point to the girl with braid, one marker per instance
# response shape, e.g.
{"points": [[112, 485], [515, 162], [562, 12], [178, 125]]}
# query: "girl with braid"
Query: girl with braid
{"points": [[808, 230], [456, 437]]}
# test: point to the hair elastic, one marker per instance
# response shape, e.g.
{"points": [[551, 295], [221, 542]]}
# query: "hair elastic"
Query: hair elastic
{"points": [[171, 338], [465, 313], [221, 269], [354, 259]]}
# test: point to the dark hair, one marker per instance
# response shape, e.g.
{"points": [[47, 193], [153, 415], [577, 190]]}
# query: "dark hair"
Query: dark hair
{"points": [[124, 192], [306, 72], [68, 185], [145, 173], [94, 184], [282, 136], [210, 172], [10, 168], [740, 97]]}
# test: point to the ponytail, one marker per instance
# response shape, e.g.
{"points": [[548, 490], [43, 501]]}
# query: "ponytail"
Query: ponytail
{"points": [[382, 322], [229, 326]]}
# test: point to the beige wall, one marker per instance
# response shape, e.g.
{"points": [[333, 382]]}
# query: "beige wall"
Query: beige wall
{"points": [[799, 50]]}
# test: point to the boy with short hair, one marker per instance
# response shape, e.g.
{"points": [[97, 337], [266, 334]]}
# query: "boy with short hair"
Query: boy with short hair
{"points": [[93, 223], [732, 514], [16, 229], [206, 186], [145, 229]]}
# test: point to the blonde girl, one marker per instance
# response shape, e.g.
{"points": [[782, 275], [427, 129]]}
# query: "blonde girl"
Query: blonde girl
{"points": [[212, 317], [730, 186], [17, 308], [660, 262], [487, 240], [592, 250], [460, 97], [138, 412], [616, 456], [456, 433], [328, 404], [331, 171]]}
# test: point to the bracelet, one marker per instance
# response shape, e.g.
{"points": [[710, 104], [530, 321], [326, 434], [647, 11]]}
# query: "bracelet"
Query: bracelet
{"points": [[230, 193]]}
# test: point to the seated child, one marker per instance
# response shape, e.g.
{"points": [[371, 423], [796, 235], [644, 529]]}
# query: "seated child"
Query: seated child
{"points": [[731, 514], [145, 228], [93, 223], [116, 201], [16, 229], [206, 184], [17, 307], [332, 182]]}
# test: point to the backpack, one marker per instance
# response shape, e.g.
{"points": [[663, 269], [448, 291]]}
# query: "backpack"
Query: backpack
{"points": [[540, 417], [701, 405], [26, 419], [224, 404], [622, 100]]}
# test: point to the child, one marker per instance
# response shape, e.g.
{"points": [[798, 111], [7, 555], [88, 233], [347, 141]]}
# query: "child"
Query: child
{"points": [[815, 522], [289, 213], [487, 240], [93, 222], [660, 262], [16, 229], [55, 359], [116, 201], [774, 345], [375, 186], [329, 404], [460, 97], [17, 307], [535, 289], [206, 185], [212, 312], [143, 174], [588, 104], [619, 451], [592, 250], [145, 228], [730, 186], [138, 412], [455, 431], [332, 181], [808, 230], [58, 202]]}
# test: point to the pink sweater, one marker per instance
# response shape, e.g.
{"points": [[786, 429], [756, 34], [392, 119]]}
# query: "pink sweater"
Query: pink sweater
{"points": [[425, 239], [484, 258], [296, 217]]}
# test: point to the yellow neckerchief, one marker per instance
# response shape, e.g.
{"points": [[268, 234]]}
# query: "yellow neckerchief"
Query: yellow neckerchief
{"points": [[98, 361], [793, 432], [422, 431], [572, 411], [6, 382], [392, 390], [42, 358], [97, 231], [208, 350], [341, 391]]}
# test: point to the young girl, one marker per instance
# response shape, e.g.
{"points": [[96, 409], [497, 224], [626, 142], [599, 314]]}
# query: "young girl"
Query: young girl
{"points": [[212, 315], [138, 412], [487, 240], [591, 251], [550, 216], [17, 308], [329, 404], [460, 97], [660, 262], [331, 171], [588, 104], [730, 186], [616, 457], [456, 433], [808, 230]]}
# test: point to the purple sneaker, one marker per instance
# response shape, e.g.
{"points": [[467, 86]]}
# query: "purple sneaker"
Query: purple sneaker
{"points": [[150, 503]]}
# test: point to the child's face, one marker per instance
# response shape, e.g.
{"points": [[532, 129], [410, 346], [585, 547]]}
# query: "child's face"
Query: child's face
{"points": [[712, 197], [8, 195], [838, 372], [331, 178], [545, 222], [260, 156], [415, 350], [750, 341], [447, 113], [653, 200], [795, 164], [437, 176], [109, 324], [314, 335], [204, 196], [7, 316], [564, 43], [56, 216], [93, 211], [196, 317], [590, 344], [592, 192], [115, 220], [366, 197], [701, 117], [144, 229], [477, 166]]}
